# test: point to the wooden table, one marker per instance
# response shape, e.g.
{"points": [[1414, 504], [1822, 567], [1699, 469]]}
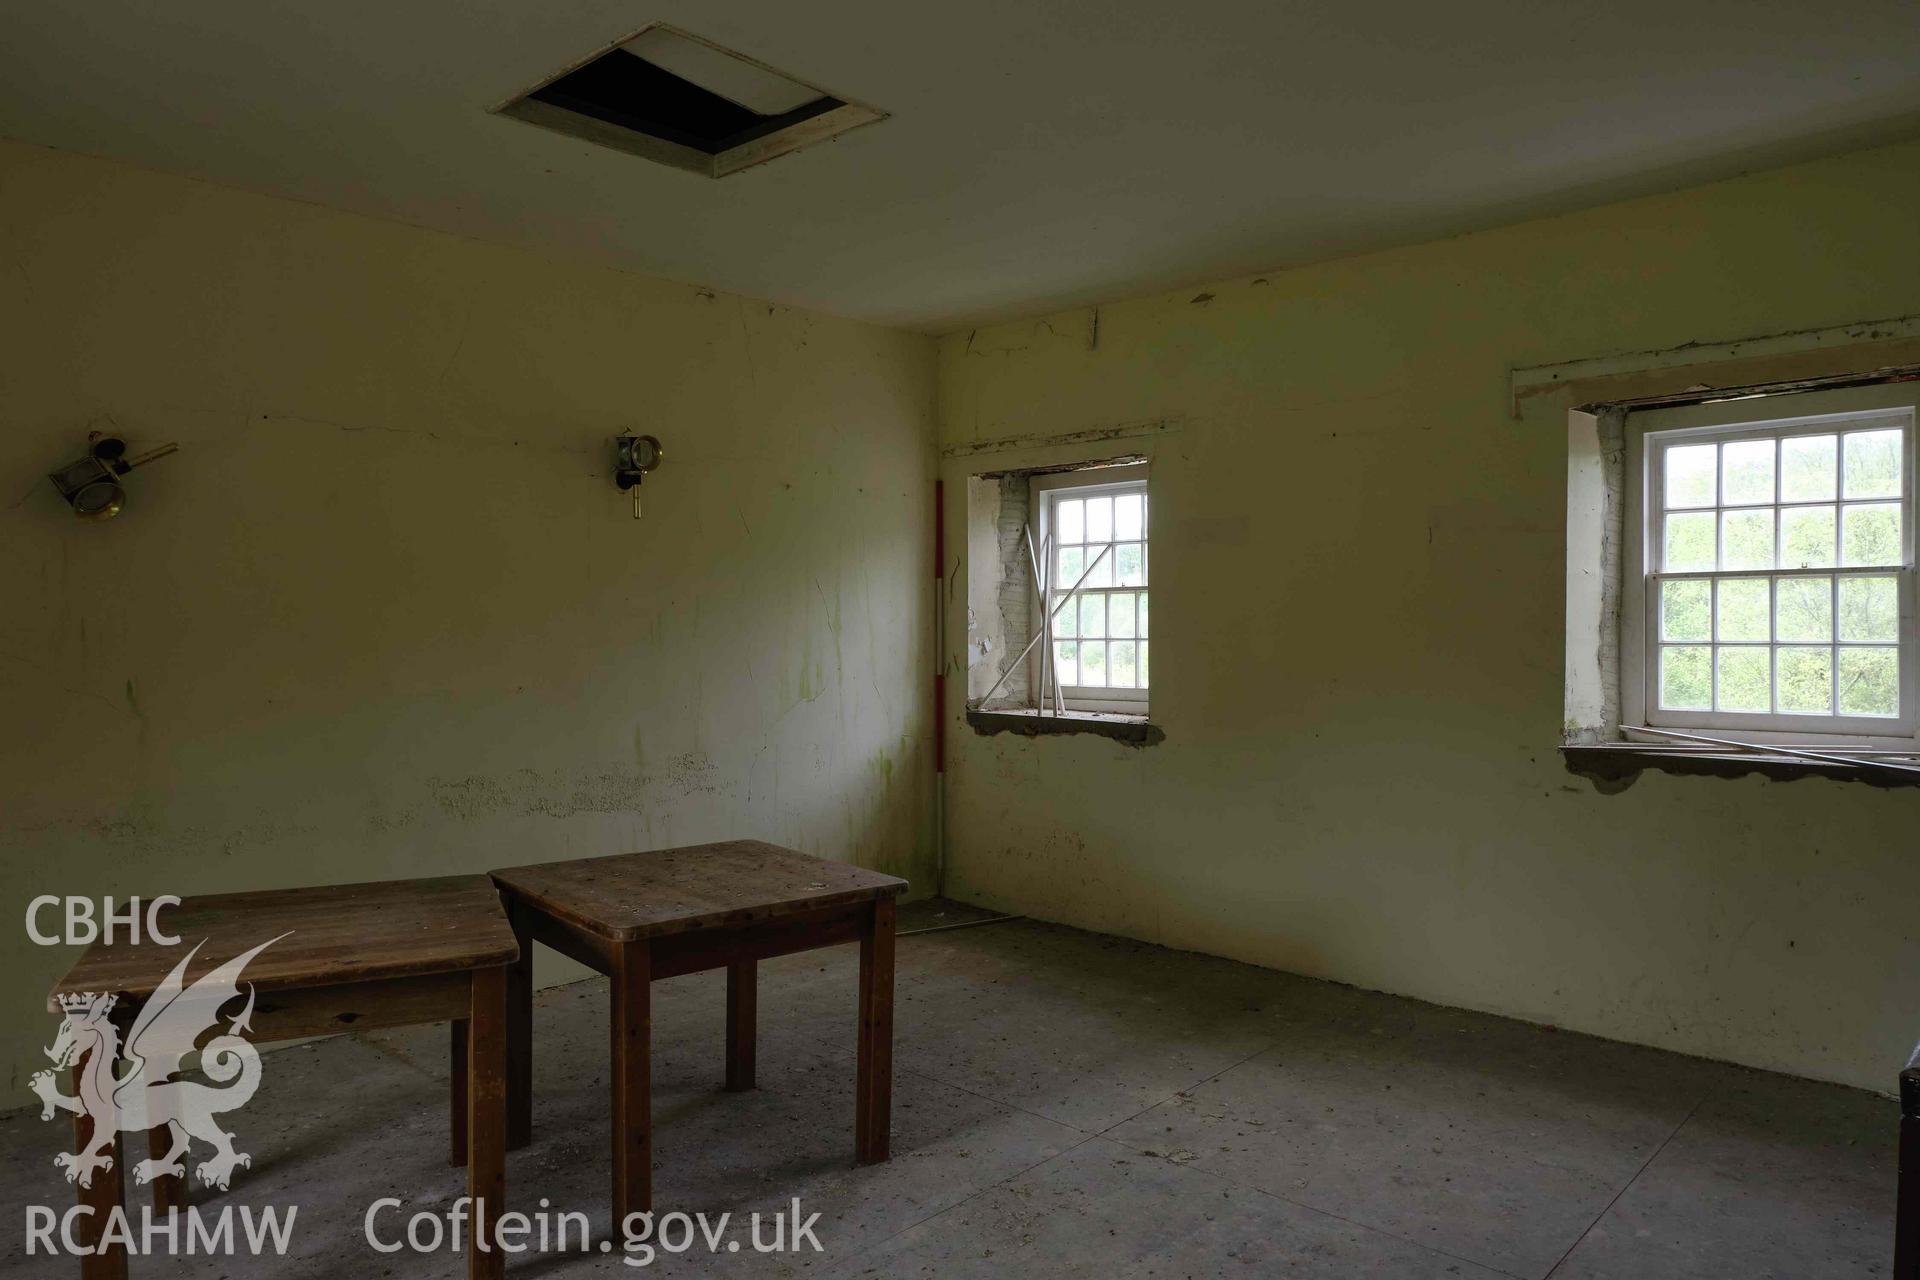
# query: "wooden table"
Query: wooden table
{"points": [[640, 916], [352, 957]]}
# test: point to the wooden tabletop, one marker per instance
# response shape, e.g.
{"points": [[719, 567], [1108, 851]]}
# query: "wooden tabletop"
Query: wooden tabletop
{"points": [[336, 933], [644, 895]]}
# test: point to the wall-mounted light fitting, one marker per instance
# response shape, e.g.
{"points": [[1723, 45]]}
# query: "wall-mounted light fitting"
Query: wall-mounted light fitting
{"points": [[91, 485], [633, 458]]}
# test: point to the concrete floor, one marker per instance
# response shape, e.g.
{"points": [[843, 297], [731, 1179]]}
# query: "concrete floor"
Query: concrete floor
{"points": [[1069, 1104]]}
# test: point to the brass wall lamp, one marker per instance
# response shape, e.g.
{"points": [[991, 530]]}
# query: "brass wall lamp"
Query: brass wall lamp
{"points": [[633, 458], [91, 485]]}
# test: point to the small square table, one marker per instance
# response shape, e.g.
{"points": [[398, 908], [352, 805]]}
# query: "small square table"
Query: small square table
{"points": [[637, 917], [342, 958]]}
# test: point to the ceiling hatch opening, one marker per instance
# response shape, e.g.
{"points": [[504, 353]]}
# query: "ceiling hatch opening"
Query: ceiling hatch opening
{"points": [[674, 98]]}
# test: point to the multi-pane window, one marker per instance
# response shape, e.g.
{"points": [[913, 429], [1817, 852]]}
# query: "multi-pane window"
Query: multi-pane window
{"points": [[1778, 560], [1097, 537]]}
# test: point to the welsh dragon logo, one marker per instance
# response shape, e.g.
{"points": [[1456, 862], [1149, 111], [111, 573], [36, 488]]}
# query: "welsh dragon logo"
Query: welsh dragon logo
{"points": [[146, 1096]]}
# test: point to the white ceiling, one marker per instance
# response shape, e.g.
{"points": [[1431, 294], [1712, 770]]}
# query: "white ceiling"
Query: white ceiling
{"points": [[1041, 153]]}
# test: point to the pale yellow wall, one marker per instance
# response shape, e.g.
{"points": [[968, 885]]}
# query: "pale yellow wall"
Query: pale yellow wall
{"points": [[1358, 581], [384, 613]]}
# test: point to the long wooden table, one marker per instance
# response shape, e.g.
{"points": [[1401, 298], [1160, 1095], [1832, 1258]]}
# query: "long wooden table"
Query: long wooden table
{"points": [[341, 957], [640, 916]]}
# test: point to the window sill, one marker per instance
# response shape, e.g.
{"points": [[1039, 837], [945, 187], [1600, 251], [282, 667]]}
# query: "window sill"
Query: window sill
{"points": [[1135, 731], [1613, 767]]}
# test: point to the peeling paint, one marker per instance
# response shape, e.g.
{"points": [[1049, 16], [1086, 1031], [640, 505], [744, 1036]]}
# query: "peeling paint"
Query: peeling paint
{"points": [[1132, 731], [1094, 435]]}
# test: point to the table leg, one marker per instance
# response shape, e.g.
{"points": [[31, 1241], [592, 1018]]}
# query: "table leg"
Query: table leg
{"points": [[742, 1010], [631, 994], [457, 1095], [102, 1195], [486, 1121], [873, 1087], [520, 1036]]}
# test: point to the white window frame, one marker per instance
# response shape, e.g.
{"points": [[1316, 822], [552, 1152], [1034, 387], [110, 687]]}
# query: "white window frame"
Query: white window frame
{"points": [[1649, 433], [1046, 490]]}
